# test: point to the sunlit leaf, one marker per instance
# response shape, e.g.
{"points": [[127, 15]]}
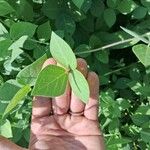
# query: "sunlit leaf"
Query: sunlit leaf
{"points": [[17, 98], [79, 85], [62, 52], [142, 52], [15, 50], [51, 82], [29, 74], [5, 129]]}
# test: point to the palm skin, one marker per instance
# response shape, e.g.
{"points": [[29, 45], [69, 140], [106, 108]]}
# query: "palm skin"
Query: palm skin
{"points": [[63, 130]]}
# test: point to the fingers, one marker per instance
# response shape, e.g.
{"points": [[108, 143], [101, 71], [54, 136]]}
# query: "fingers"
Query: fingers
{"points": [[76, 105], [61, 103], [91, 108], [49, 61], [42, 106]]}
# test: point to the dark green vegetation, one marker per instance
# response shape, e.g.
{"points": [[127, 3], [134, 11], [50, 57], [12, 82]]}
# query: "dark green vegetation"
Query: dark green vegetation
{"points": [[90, 27]]}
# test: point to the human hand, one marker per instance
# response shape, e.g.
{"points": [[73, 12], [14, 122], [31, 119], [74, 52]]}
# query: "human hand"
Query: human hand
{"points": [[64, 122]]}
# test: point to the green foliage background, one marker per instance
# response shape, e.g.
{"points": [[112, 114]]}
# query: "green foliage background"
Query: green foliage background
{"points": [[91, 27]]}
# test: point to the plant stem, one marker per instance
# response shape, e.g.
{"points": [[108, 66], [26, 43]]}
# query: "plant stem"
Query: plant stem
{"points": [[120, 69], [112, 45], [39, 42]]}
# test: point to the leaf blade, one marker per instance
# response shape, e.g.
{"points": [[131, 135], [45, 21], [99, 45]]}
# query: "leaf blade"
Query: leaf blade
{"points": [[142, 52], [18, 97], [49, 82], [21, 29], [79, 85], [62, 52], [29, 74], [78, 3], [5, 8]]}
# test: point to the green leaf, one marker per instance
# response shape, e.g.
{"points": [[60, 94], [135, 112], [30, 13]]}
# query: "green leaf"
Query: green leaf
{"points": [[88, 24], [17, 134], [110, 17], [135, 86], [15, 49], [25, 11], [66, 23], [4, 45], [79, 85], [97, 8], [115, 141], [139, 120], [5, 8], [29, 74], [145, 3], [2, 29], [81, 49], [145, 135], [51, 82], [44, 31], [86, 6], [6, 130], [135, 35], [139, 13], [126, 6], [26, 134], [17, 98], [78, 3], [62, 52], [112, 3], [1, 80], [102, 56], [142, 52], [40, 50], [52, 8], [144, 91], [22, 28], [8, 90], [143, 110], [3, 106], [122, 83]]}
